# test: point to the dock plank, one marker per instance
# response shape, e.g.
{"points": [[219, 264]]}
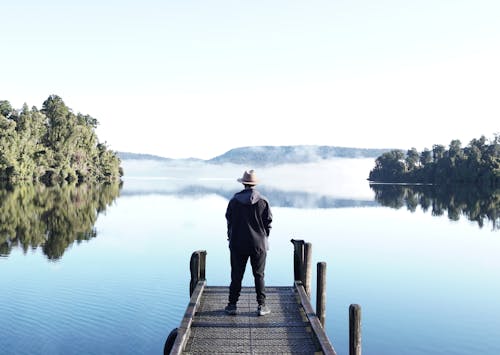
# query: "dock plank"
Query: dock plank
{"points": [[287, 330]]}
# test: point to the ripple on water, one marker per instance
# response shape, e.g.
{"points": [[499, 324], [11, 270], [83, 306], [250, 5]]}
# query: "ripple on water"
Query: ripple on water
{"points": [[110, 318]]}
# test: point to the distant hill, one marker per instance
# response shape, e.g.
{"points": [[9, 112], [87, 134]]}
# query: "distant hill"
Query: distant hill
{"points": [[139, 156], [267, 155]]}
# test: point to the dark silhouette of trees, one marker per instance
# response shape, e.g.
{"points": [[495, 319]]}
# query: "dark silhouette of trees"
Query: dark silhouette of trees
{"points": [[475, 203], [53, 145], [478, 163], [51, 217]]}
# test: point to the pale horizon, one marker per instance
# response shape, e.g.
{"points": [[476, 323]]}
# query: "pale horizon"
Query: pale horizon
{"points": [[183, 79]]}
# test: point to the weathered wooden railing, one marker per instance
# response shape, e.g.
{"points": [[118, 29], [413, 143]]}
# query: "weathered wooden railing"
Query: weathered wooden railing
{"points": [[302, 274]]}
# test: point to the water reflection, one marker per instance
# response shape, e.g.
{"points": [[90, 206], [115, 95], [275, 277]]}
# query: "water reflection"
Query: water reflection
{"points": [[278, 197], [478, 205], [52, 218]]}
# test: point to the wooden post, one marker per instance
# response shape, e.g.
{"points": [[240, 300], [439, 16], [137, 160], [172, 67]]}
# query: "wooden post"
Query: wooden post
{"points": [[203, 264], [197, 266], [307, 272], [321, 292], [354, 329], [298, 259], [194, 268]]}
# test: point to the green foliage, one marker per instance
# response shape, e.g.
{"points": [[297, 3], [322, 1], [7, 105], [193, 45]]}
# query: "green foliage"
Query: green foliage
{"points": [[53, 218], [478, 163], [390, 164], [53, 145], [5, 108]]}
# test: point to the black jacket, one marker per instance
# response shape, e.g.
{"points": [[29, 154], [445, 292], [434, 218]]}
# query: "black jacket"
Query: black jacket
{"points": [[249, 220]]}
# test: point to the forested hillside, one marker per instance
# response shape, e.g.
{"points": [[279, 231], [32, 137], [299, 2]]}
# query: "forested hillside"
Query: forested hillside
{"points": [[52, 145]]}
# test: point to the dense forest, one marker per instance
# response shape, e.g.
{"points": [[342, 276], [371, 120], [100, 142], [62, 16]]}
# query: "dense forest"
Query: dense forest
{"points": [[53, 145], [478, 163]]}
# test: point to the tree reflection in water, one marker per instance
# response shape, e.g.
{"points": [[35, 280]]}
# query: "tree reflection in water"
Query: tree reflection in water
{"points": [[468, 200], [52, 218]]}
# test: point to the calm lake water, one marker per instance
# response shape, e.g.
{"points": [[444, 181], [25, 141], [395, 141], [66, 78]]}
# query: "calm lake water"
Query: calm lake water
{"points": [[106, 271]]}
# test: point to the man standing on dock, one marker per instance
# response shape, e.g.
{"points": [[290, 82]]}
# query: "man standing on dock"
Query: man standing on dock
{"points": [[249, 220]]}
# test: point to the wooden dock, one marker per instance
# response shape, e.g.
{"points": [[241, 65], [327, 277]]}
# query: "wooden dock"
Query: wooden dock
{"points": [[292, 327]]}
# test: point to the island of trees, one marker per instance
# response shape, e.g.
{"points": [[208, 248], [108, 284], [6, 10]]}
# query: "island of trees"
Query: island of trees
{"points": [[478, 163], [53, 145]]}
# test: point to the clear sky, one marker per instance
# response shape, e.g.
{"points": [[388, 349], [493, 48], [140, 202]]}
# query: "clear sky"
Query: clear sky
{"points": [[196, 78]]}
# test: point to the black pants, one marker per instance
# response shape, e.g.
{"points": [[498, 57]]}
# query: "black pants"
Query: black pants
{"points": [[238, 265]]}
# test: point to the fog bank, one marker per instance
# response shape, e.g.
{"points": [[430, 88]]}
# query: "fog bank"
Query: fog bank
{"points": [[340, 177]]}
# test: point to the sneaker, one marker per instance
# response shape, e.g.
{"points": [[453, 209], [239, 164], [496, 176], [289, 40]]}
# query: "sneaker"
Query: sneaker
{"points": [[263, 310], [230, 309]]}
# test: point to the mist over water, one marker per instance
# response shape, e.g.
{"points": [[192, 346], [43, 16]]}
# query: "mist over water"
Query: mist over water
{"points": [[339, 178]]}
